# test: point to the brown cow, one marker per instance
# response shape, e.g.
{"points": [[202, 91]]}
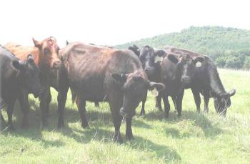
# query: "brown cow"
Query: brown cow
{"points": [[45, 54], [97, 73]]}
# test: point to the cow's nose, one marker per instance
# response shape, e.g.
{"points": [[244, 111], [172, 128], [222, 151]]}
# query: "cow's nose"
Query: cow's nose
{"points": [[148, 69], [57, 64]]}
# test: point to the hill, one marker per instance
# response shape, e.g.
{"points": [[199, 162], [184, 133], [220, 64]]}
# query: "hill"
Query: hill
{"points": [[228, 47]]}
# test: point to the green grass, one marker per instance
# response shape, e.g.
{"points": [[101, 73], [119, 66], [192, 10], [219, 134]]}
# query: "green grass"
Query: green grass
{"points": [[193, 138]]}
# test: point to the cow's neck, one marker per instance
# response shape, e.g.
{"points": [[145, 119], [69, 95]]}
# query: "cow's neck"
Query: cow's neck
{"points": [[215, 81]]}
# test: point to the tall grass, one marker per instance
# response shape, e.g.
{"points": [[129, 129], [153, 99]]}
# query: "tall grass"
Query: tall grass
{"points": [[193, 138]]}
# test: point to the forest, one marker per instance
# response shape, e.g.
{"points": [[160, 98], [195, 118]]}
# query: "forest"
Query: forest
{"points": [[228, 47]]}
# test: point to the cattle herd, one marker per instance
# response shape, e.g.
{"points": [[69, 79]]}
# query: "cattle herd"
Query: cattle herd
{"points": [[99, 73]]}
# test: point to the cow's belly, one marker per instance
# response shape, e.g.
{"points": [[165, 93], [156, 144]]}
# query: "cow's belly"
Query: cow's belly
{"points": [[90, 89]]}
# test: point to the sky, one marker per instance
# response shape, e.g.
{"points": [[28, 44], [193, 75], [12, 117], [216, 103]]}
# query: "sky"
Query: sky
{"points": [[113, 22]]}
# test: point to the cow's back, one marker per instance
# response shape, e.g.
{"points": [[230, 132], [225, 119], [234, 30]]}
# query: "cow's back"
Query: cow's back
{"points": [[22, 52], [90, 67]]}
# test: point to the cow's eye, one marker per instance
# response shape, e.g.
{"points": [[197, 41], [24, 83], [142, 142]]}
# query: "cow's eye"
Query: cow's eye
{"points": [[46, 51]]}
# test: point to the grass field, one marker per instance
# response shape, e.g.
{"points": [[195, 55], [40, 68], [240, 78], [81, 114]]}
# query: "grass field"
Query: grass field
{"points": [[193, 138]]}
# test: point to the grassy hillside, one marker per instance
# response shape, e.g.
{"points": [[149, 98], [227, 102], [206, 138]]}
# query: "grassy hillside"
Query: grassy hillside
{"points": [[193, 138], [229, 47]]}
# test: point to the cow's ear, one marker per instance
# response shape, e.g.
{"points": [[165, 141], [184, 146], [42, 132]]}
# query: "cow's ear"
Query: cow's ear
{"points": [[17, 65], [120, 77], [158, 86], [135, 49], [198, 59], [159, 55], [36, 43], [67, 43], [232, 92], [173, 58]]}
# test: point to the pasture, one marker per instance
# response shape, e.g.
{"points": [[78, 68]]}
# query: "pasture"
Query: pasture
{"points": [[193, 138]]}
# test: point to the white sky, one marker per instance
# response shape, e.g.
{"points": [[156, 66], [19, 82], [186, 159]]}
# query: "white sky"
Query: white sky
{"points": [[112, 22]]}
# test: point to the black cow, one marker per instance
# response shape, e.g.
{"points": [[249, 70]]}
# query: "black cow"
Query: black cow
{"points": [[97, 74], [175, 71], [17, 77], [150, 60], [206, 81]]}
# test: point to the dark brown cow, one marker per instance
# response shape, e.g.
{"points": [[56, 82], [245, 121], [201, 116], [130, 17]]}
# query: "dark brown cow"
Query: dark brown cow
{"points": [[45, 54], [16, 76], [96, 74]]}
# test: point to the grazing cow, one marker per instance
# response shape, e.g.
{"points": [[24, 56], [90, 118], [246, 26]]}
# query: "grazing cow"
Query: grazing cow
{"points": [[45, 55], [206, 81], [16, 76], [97, 74]]}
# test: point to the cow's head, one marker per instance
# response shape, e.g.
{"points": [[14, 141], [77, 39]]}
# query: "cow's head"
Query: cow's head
{"points": [[223, 101], [48, 50], [135, 86], [186, 66], [28, 75], [150, 59]]}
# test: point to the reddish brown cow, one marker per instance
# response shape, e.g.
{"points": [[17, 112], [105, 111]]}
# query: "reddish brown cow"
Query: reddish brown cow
{"points": [[45, 54]]}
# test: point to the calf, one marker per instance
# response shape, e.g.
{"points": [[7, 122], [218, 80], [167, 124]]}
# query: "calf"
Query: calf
{"points": [[102, 74], [17, 77]]}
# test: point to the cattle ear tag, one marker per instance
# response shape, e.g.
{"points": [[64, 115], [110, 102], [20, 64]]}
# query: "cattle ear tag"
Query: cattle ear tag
{"points": [[155, 92], [198, 64], [158, 59]]}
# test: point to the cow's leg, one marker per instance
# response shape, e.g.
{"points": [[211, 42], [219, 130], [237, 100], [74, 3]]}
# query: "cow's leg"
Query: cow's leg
{"points": [[24, 105], [61, 99], [143, 105], [81, 104], [115, 103], [10, 109], [179, 102], [2, 105], [63, 87], [45, 99], [97, 104], [166, 105], [2, 120], [158, 102], [129, 134], [174, 99], [117, 119], [206, 101], [197, 99]]}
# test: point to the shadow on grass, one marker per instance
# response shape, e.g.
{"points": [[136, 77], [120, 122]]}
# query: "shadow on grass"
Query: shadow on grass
{"points": [[162, 151], [198, 119]]}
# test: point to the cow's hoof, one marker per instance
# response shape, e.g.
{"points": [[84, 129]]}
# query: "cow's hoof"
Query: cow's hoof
{"points": [[60, 125], [85, 126], [44, 125], [118, 139], [129, 136], [11, 127], [25, 125], [142, 114]]}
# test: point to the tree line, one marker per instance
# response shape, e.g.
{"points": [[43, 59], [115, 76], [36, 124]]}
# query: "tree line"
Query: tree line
{"points": [[228, 47]]}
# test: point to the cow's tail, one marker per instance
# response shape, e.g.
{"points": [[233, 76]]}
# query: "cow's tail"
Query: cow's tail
{"points": [[73, 96]]}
